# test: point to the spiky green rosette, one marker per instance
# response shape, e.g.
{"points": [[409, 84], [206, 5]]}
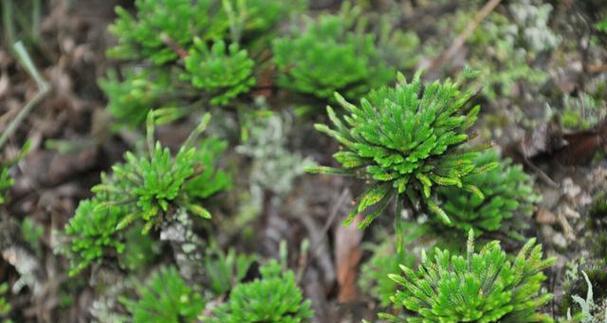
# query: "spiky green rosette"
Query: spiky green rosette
{"points": [[146, 189], [504, 191], [165, 297], [140, 90], [329, 56], [273, 298], [404, 140], [223, 71], [481, 287], [159, 27]]}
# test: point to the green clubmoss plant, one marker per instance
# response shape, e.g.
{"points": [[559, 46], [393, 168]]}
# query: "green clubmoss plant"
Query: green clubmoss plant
{"points": [[146, 189], [503, 192], [330, 55], [223, 72], [404, 140], [5, 306], [386, 258], [225, 270], [6, 182], [274, 297], [139, 91], [189, 54], [486, 286], [165, 298], [601, 25]]}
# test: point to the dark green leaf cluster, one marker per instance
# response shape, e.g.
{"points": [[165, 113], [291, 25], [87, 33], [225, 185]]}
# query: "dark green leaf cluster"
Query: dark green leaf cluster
{"points": [[273, 298], [139, 91], [222, 72], [146, 189], [386, 259], [142, 249], [329, 56], [159, 26], [183, 46], [165, 298], [6, 181], [602, 25], [403, 140], [225, 270], [503, 192], [5, 307], [482, 287]]}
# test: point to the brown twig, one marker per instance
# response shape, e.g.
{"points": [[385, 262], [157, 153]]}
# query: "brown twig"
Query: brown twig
{"points": [[464, 35], [180, 51], [43, 90], [316, 245]]}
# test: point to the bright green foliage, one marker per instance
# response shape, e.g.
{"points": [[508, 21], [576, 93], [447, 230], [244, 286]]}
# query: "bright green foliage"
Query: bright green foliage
{"points": [[273, 298], [5, 307], [329, 56], [225, 270], [222, 72], [158, 25], [165, 298], [92, 228], [141, 249], [402, 139], [504, 191], [151, 183], [602, 25], [482, 287], [386, 259], [141, 90], [6, 181], [210, 180], [161, 26], [32, 232], [146, 189], [177, 40]]}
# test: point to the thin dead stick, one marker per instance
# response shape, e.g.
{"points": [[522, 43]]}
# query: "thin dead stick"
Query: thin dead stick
{"points": [[340, 201], [316, 245], [461, 39], [43, 89], [543, 176]]}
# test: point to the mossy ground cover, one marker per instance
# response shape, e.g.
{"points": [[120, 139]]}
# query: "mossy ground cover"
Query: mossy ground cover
{"points": [[297, 161]]}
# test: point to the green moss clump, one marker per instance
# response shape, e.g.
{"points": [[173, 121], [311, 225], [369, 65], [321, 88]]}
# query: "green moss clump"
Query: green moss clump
{"points": [[164, 298], [146, 190], [404, 141], [330, 56], [273, 298], [503, 192], [482, 287]]}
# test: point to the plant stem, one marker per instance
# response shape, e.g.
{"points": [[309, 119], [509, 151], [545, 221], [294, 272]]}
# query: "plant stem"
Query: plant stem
{"points": [[7, 20], [458, 42], [36, 17], [43, 90]]}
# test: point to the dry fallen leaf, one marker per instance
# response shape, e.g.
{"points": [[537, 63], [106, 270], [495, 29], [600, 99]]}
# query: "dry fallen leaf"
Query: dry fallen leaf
{"points": [[347, 258]]}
